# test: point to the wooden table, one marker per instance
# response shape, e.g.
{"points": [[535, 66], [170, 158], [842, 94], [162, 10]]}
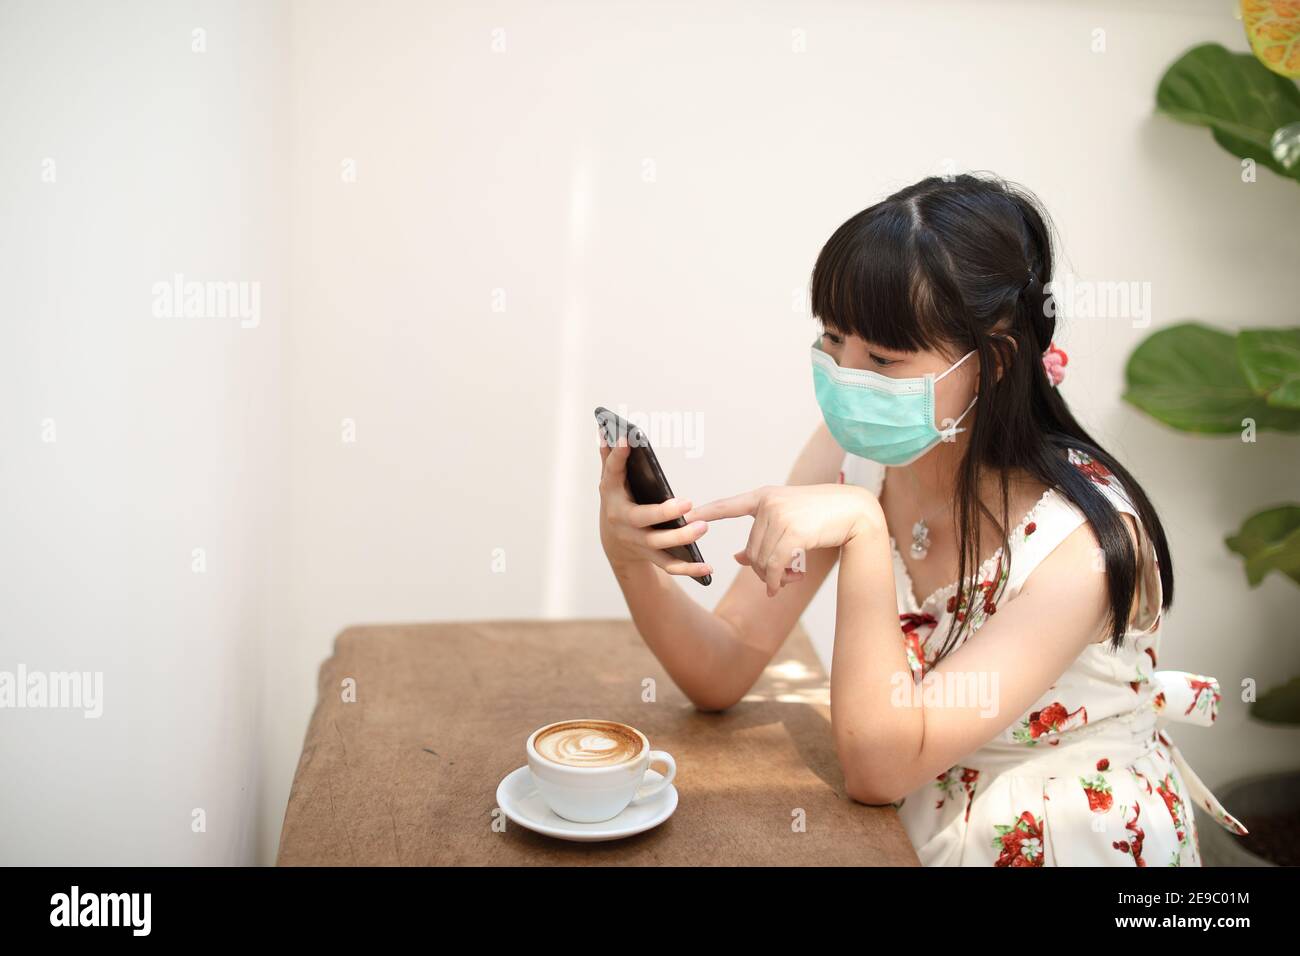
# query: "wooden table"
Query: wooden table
{"points": [[407, 772]]}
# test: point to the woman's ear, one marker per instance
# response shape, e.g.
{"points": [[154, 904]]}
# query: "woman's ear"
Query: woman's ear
{"points": [[1006, 347], [1015, 346]]}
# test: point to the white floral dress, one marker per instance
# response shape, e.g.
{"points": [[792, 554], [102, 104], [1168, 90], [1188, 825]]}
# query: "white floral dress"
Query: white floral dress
{"points": [[1087, 776]]}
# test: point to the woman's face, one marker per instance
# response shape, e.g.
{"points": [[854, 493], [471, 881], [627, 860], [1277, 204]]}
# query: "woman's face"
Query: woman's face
{"points": [[951, 396]]}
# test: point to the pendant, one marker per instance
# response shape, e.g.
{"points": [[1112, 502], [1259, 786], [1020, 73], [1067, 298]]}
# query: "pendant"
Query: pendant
{"points": [[920, 539]]}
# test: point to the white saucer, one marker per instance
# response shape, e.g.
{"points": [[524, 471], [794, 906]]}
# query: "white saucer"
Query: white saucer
{"points": [[520, 802]]}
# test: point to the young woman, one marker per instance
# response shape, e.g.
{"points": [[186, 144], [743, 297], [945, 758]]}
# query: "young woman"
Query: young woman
{"points": [[994, 678]]}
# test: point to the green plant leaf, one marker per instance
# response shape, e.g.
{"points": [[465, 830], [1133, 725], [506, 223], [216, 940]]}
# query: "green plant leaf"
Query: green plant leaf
{"points": [[1188, 377], [1270, 359], [1279, 705], [1236, 96], [1269, 541]]}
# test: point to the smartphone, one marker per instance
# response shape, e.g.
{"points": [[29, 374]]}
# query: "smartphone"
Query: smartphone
{"points": [[646, 481]]}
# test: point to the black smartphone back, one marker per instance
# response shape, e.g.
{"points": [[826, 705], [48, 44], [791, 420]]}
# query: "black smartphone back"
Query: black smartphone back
{"points": [[646, 480]]}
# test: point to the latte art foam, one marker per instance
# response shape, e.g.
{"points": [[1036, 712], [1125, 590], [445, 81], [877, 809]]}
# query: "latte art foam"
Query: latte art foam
{"points": [[588, 743]]}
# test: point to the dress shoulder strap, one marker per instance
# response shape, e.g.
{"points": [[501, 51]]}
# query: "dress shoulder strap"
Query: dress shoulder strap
{"points": [[1040, 532], [1056, 518], [1146, 612]]}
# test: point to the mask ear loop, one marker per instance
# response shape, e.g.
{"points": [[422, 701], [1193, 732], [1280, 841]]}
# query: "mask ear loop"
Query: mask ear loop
{"points": [[954, 366], [954, 430]]}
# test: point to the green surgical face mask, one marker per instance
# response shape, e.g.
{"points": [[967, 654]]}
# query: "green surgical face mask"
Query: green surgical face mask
{"points": [[888, 420]]}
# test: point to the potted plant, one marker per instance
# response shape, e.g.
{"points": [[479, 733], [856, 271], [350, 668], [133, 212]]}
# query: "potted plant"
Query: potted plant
{"points": [[1211, 381]]}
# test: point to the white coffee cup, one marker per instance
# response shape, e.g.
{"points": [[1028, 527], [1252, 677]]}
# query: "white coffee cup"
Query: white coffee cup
{"points": [[593, 794]]}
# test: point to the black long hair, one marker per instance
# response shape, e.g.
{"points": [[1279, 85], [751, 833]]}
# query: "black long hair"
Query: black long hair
{"points": [[960, 264]]}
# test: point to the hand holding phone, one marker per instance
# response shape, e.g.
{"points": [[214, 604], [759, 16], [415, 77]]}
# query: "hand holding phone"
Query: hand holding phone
{"points": [[646, 521]]}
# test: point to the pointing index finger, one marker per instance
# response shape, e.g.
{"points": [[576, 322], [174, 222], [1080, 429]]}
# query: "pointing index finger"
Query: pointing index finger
{"points": [[733, 507]]}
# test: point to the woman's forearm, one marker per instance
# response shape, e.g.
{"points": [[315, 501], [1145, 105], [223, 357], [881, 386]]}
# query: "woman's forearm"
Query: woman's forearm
{"points": [[876, 737], [699, 650]]}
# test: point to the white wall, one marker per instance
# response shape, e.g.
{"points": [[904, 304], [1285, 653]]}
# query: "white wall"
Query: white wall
{"points": [[165, 429], [523, 171]]}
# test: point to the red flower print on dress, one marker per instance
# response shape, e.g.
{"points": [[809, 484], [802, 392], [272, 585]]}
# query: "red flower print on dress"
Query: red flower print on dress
{"points": [[1204, 800], [948, 781], [912, 622], [1030, 529], [1098, 793], [1021, 843], [1168, 791], [1103, 764], [944, 785], [914, 640], [1205, 694], [1133, 846], [980, 604], [1141, 779], [1139, 674], [969, 780], [1094, 469], [1140, 679], [1052, 719]]}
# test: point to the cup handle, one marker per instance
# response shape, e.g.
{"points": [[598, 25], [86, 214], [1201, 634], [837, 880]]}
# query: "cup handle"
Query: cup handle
{"points": [[645, 793]]}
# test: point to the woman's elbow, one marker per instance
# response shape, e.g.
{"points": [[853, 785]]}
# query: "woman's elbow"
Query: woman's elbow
{"points": [[712, 695], [879, 768], [875, 781], [713, 703], [874, 793]]}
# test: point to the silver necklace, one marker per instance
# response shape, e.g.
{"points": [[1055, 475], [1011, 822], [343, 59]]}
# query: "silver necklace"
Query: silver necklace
{"points": [[921, 530]]}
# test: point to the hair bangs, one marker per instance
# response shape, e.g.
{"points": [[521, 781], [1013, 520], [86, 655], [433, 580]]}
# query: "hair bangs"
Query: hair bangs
{"points": [[866, 283]]}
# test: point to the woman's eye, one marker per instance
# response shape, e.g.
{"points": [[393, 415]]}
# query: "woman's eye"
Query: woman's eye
{"points": [[833, 339], [881, 360]]}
